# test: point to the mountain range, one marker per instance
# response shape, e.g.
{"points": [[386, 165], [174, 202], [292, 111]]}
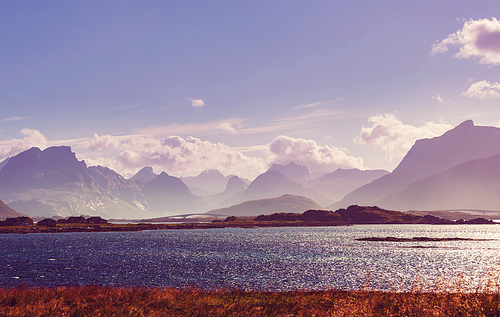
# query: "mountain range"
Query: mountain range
{"points": [[457, 170]]}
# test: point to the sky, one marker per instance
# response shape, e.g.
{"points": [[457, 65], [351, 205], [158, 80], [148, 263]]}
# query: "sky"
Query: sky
{"points": [[185, 86]]}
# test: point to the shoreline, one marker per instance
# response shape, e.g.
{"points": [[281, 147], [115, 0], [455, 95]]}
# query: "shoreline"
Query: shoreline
{"points": [[150, 226]]}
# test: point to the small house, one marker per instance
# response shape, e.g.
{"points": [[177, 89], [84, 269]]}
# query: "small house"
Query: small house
{"points": [[19, 221], [96, 220], [47, 223], [80, 219]]}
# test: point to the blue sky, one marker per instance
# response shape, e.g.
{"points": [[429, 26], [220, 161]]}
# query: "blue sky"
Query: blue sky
{"points": [[189, 85]]}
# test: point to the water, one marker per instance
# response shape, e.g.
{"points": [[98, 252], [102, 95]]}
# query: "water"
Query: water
{"points": [[263, 259]]}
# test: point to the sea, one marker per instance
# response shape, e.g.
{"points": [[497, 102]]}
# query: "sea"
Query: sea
{"points": [[269, 259]]}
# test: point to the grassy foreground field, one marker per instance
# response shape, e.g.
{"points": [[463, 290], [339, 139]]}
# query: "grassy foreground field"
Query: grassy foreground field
{"points": [[114, 301]]}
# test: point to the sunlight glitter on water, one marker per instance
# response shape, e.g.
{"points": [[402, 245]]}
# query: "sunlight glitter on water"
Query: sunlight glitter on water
{"points": [[266, 258]]}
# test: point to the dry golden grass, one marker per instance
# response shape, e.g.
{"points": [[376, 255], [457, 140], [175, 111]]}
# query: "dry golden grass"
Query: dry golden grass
{"points": [[114, 301]]}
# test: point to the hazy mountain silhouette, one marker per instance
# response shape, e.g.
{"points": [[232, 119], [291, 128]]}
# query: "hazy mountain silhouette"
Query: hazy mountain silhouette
{"points": [[427, 157], [294, 172], [144, 175], [54, 176], [273, 184], [209, 182], [116, 185], [342, 181], [36, 207], [8, 212], [471, 185], [46, 169], [168, 195], [285, 203], [2, 164], [234, 186]]}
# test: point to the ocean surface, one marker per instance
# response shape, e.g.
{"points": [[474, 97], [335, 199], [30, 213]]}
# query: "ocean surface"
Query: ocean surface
{"points": [[309, 258]]}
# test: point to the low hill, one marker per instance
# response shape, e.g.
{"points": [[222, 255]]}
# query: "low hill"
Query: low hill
{"points": [[7, 212], [286, 203], [374, 215]]}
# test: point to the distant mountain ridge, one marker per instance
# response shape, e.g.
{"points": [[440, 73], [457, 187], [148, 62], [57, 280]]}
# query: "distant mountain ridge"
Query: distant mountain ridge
{"points": [[144, 175], [273, 184], [235, 185], [294, 172], [470, 185], [464, 143], [210, 181], [169, 196], [342, 181]]}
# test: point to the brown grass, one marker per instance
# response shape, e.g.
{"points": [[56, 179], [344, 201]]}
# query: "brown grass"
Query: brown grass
{"points": [[114, 301]]}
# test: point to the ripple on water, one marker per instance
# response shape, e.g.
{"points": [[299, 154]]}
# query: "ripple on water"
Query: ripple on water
{"points": [[266, 259]]}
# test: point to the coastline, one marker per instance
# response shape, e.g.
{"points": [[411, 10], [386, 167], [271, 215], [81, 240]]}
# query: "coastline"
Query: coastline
{"points": [[149, 226]]}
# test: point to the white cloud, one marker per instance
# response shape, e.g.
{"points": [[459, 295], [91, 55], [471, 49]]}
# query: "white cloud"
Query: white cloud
{"points": [[101, 143], [477, 39], [395, 137], [284, 150], [14, 119], [226, 127], [483, 90], [438, 98], [205, 128], [32, 138], [188, 156], [197, 103]]}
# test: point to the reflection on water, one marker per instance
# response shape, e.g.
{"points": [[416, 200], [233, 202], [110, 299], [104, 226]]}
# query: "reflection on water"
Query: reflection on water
{"points": [[265, 259]]}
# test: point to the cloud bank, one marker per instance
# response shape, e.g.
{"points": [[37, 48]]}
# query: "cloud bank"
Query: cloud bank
{"points": [[188, 156], [483, 90], [478, 39], [284, 150], [101, 143], [396, 138]]}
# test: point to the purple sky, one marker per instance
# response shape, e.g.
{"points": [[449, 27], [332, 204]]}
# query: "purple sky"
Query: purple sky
{"points": [[238, 85]]}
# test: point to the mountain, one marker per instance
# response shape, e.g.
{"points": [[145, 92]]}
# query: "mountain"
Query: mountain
{"points": [[208, 182], [285, 203], [294, 172], [116, 185], [37, 208], [144, 175], [342, 181], [33, 169], [464, 143], [471, 185], [8, 212], [55, 177], [4, 162], [234, 186], [168, 195], [273, 184]]}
